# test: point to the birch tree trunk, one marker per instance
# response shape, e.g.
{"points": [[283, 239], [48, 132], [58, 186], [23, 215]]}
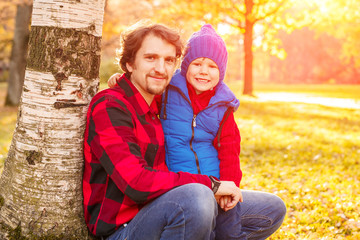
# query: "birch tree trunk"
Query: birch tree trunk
{"points": [[40, 188]]}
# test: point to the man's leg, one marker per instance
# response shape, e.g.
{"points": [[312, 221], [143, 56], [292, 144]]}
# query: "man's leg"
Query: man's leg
{"points": [[186, 212], [261, 214], [257, 217], [228, 224]]}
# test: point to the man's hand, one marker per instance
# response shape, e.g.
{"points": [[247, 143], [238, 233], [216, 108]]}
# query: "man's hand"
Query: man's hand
{"points": [[228, 195], [112, 80]]}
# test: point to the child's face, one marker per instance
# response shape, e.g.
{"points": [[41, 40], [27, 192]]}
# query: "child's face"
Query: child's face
{"points": [[203, 74]]}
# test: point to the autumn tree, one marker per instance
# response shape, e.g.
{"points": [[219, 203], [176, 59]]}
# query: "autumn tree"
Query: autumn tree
{"points": [[240, 15], [40, 187]]}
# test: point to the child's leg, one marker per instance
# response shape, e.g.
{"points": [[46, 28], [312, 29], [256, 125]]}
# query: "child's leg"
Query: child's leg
{"points": [[257, 217], [228, 224]]}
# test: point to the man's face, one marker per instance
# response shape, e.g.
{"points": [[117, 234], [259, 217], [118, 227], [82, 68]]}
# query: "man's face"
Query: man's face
{"points": [[153, 66]]}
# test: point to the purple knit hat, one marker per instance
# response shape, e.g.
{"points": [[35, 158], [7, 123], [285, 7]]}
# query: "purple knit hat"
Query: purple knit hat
{"points": [[206, 43]]}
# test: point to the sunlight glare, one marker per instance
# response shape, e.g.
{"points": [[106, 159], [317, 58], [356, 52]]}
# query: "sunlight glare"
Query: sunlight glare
{"points": [[303, 98], [223, 29]]}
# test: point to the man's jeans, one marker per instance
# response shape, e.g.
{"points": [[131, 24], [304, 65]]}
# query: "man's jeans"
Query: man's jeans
{"points": [[191, 212]]}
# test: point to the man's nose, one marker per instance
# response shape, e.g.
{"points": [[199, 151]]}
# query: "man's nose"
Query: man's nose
{"points": [[160, 65]]}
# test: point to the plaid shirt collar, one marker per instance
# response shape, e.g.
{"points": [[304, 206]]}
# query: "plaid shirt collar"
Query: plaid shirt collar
{"points": [[135, 97]]}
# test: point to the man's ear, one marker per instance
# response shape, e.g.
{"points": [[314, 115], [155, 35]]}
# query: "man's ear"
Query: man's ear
{"points": [[129, 67]]}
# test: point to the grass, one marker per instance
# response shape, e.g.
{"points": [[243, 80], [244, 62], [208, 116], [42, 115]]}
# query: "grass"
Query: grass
{"points": [[307, 154]]}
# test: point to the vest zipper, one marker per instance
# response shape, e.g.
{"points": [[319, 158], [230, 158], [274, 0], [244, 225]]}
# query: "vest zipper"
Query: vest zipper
{"points": [[193, 125]]}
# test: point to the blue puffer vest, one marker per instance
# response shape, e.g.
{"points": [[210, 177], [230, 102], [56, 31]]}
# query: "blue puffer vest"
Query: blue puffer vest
{"points": [[189, 137]]}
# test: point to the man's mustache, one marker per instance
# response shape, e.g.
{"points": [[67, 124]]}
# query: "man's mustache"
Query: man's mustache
{"points": [[157, 75]]}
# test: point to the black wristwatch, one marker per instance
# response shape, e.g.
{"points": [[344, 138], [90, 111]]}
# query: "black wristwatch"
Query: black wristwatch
{"points": [[215, 184]]}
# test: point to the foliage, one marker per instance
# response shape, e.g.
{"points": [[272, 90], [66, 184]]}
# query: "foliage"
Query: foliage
{"points": [[312, 57], [326, 50], [307, 154], [108, 68], [120, 14], [341, 19], [7, 14]]}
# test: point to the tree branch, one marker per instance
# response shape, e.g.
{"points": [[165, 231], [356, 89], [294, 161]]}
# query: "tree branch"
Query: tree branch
{"points": [[276, 9]]}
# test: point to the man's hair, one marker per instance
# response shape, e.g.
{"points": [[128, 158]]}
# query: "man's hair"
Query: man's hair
{"points": [[131, 42]]}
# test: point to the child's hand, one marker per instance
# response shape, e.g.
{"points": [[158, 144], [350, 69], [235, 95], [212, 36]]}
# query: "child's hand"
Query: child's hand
{"points": [[112, 80]]}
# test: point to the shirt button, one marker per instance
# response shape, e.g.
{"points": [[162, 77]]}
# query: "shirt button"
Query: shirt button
{"points": [[153, 118]]}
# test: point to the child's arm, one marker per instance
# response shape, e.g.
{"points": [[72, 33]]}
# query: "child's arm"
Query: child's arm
{"points": [[113, 79], [229, 149], [228, 153]]}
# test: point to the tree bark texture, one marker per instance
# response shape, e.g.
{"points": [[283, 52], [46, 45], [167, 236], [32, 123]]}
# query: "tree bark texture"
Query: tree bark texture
{"points": [[18, 54], [40, 188]]}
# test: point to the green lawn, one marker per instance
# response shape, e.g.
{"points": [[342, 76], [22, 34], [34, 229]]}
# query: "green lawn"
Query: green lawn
{"points": [[308, 154]]}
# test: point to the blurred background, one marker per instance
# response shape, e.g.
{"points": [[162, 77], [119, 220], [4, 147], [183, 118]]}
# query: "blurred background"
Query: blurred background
{"points": [[277, 41]]}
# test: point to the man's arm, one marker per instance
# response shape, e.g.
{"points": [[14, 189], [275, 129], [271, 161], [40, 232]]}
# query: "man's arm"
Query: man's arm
{"points": [[117, 147]]}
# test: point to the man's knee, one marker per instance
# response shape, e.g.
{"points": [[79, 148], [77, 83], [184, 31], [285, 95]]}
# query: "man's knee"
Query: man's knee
{"points": [[199, 199], [280, 207]]}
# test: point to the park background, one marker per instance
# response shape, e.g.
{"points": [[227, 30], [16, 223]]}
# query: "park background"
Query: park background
{"points": [[298, 81]]}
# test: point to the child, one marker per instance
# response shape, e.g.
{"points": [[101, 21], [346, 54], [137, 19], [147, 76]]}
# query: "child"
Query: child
{"points": [[201, 135]]}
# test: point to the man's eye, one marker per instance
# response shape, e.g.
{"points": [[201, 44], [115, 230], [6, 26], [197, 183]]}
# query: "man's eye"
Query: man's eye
{"points": [[170, 60], [150, 58]]}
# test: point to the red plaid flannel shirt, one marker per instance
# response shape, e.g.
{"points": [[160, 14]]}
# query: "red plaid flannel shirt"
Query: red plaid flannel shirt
{"points": [[124, 159]]}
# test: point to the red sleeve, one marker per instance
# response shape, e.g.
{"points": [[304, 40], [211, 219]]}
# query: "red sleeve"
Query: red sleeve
{"points": [[118, 150], [229, 150]]}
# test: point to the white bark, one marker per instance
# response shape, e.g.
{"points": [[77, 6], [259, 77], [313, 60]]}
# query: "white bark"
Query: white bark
{"points": [[69, 14], [40, 188]]}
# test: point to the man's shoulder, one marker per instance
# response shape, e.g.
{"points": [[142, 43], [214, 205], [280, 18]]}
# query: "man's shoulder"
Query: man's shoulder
{"points": [[109, 94]]}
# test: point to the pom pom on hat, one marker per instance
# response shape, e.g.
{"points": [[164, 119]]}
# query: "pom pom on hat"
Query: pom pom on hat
{"points": [[206, 43]]}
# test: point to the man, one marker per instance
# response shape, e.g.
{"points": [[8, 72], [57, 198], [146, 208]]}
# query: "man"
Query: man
{"points": [[128, 191]]}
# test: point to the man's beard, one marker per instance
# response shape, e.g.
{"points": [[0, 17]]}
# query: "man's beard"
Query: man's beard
{"points": [[157, 89]]}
